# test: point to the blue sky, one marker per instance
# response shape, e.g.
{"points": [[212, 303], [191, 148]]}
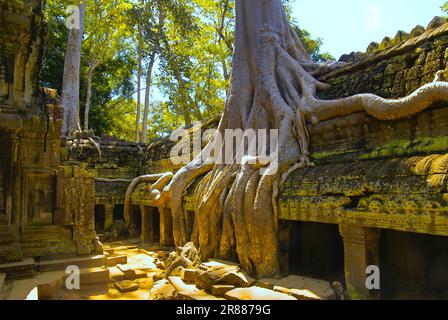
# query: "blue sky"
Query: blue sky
{"points": [[351, 25]]}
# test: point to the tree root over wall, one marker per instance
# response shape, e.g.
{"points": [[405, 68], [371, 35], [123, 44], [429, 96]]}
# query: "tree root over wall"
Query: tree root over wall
{"points": [[273, 87]]}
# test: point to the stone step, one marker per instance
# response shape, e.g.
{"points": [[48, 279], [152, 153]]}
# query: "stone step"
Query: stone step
{"points": [[45, 240], [62, 262], [114, 260], [19, 270], [47, 232], [91, 276], [10, 253]]}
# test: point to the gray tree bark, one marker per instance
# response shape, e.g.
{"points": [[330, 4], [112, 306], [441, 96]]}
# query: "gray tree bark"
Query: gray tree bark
{"points": [[70, 84], [88, 97], [139, 87], [152, 61]]}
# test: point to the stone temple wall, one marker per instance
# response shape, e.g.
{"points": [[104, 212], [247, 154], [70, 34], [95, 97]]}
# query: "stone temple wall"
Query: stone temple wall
{"points": [[375, 183], [34, 221]]}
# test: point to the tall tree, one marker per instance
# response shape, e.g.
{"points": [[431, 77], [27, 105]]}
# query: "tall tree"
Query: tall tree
{"points": [[106, 33], [139, 83], [273, 86], [70, 83]]}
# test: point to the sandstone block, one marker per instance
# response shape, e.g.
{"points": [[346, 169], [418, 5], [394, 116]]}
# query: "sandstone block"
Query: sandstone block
{"points": [[220, 290], [126, 286], [256, 293], [113, 261]]}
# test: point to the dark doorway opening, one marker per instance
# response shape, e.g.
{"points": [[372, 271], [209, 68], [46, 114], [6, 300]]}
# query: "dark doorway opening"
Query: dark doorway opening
{"points": [[100, 218], [136, 220], [413, 266], [119, 212], [156, 225], [316, 250]]}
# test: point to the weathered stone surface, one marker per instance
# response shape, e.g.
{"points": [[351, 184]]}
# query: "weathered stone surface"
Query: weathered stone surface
{"points": [[304, 288], [188, 258], [116, 274], [113, 261], [256, 293], [181, 286], [220, 290], [126, 286], [197, 296], [49, 290], [162, 290], [19, 270], [61, 263], [188, 275], [231, 275], [94, 276], [298, 294]]}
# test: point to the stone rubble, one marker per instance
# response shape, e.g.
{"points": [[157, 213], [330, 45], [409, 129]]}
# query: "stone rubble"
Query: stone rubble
{"points": [[133, 273]]}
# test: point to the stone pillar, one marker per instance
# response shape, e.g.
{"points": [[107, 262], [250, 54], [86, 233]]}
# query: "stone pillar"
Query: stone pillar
{"points": [[166, 227], [361, 249], [147, 234], [108, 215]]}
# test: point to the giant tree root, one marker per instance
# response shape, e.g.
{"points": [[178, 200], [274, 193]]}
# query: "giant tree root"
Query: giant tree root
{"points": [[273, 87]]}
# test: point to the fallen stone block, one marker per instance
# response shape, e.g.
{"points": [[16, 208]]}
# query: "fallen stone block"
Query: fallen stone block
{"points": [[188, 275], [264, 284], [93, 276], [126, 286], [162, 290], [220, 290], [116, 274], [113, 261], [181, 286], [305, 295], [49, 290], [160, 265], [140, 274], [197, 296], [256, 293], [144, 283], [316, 287], [222, 275], [109, 251], [129, 273]]}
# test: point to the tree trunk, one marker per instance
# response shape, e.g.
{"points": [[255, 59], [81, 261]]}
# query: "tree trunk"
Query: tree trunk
{"points": [[272, 87], [139, 87], [70, 85], [149, 75], [88, 96], [147, 96]]}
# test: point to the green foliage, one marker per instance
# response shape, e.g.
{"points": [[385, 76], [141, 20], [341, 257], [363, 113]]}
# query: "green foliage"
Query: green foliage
{"points": [[311, 45], [194, 51], [445, 7]]}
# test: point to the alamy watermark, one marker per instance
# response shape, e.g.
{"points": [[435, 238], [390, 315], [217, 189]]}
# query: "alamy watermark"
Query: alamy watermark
{"points": [[73, 278], [233, 146], [373, 280]]}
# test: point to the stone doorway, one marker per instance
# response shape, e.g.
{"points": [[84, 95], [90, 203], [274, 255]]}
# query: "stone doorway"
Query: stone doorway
{"points": [[413, 266], [316, 250], [119, 212], [100, 218]]}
